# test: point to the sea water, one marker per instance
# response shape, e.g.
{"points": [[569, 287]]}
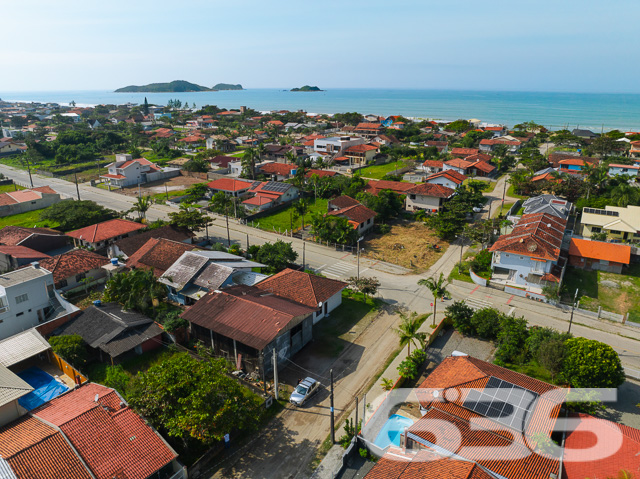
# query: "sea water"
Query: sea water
{"points": [[555, 110]]}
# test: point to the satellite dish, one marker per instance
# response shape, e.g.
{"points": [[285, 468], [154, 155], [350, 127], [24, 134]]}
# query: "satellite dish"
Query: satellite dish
{"points": [[320, 304]]}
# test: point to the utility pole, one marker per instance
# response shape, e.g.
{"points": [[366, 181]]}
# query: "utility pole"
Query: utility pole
{"points": [[166, 190], [247, 242], [573, 307], [357, 428], [30, 177], [358, 255], [275, 372], [333, 432], [75, 174], [461, 247], [139, 192], [304, 262], [504, 190]]}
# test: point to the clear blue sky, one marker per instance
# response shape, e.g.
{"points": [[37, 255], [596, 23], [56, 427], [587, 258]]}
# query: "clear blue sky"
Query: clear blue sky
{"points": [[559, 45]]}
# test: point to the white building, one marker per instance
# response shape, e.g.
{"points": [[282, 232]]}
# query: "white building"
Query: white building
{"points": [[126, 171], [336, 145]]}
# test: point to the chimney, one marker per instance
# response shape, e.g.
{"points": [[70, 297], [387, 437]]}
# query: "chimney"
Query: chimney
{"points": [[36, 265]]}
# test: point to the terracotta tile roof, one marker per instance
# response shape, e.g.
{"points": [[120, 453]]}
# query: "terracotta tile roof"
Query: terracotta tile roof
{"points": [[222, 160], [452, 175], [158, 254], [360, 148], [436, 143], [483, 166], [14, 235], [536, 235], [115, 177], [22, 252], [632, 167], [304, 288], [356, 213], [493, 128], [281, 169], [133, 243], [258, 200], [429, 189], [617, 253], [500, 141], [106, 230], [229, 184], [548, 176], [478, 156], [45, 189], [368, 126], [463, 151], [395, 186], [458, 163], [111, 439], [245, 314], [320, 173], [343, 201], [72, 263], [35, 450], [555, 158], [433, 163], [22, 196], [572, 162], [275, 123]]}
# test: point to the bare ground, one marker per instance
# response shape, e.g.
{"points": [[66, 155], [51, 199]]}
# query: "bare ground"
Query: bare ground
{"points": [[408, 245], [155, 187]]}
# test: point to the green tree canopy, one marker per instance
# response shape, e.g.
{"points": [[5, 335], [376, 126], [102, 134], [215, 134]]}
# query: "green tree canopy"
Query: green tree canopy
{"points": [[193, 400], [72, 215], [70, 347], [190, 217], [136, 289], [334, 229], [591, 364], [276, 256]]}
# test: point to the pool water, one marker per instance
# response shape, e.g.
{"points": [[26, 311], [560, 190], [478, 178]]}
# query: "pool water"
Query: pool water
{"points": [[45, 386], [391, 431]]}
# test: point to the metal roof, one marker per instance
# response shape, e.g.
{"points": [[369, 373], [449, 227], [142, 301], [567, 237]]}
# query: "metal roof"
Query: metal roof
{"points": [[21, 275], [12, 387], [22, 346]]}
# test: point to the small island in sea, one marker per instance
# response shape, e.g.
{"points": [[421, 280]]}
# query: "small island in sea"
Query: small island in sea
{"points": [[307, 88], [179, 86]]}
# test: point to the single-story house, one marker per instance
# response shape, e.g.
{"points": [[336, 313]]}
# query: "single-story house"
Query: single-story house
{"points": [[71, 268], [230, 186], [308, 289], [432, 166], [101, 236], [448, 178], [127, 246], [39, 239], [158, 254], [626, 170], [599, 255], [359, 216], [21, 201], [427, 197], [399, 187], [463, 152], [13, 257], [549, 204], [114, 333], [245, 324], [277, 171], [341, 202]]}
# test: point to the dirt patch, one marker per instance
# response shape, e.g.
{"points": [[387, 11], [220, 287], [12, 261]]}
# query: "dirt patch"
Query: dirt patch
{"points": [[408, 244], [155, 187]]}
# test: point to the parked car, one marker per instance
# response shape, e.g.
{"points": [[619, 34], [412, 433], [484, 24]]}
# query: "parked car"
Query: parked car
{"points": [[303, 391]]}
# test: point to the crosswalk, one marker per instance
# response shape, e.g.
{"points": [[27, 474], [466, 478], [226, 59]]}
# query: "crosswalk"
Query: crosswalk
{"points": [[338, 270], [476, 304]]}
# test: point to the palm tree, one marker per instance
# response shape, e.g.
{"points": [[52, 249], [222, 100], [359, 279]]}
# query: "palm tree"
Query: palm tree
{"points": [[290, 157], [143, 203], [261, 150], [437, 288], [301, 207], [249, 163], [220, 203], [624, 194], [408, 332]]}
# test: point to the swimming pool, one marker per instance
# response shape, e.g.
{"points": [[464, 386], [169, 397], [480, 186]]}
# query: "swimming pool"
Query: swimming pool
{"points": [[390, 432], [45, 388]]}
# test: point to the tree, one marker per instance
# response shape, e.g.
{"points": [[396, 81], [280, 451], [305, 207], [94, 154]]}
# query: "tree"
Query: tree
{"points": [[437, 288], [486, 323], [199, 165], [197, 191], [70, 347], [136, 289], [190, 217], [460, 314], [193, 400], [334, 229], [511, 340], [408, 332], [624, 194], [591, 364], [301, 206], [539, 335], [368, 286], [72, 215], [276, 256], [145, 107], [143, 203], [551, 354], [220, 203], [459, 126], [117, 378], [387, 204], [248, 163]]}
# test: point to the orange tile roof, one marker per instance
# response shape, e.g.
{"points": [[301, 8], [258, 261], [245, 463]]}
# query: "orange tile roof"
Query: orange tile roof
{"points": [[433, 163], [281, 169], [464, 151], [617, 253], [400, 187], [158, 254], [537, 235], [360, 148], [452, 175], [229, 184], [576, 162], [72, 263], [429, 189], [356, 213], [258, 200], [458, 163], [304, 288], [106, 230]]}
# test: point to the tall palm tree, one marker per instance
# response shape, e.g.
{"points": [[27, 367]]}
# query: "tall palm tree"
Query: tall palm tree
{"points": [[408, 332], [142, 205], [624, 194], [438, 290], [220, 203], [290, 157], [261, 150], [249, 163], [301, 207]]}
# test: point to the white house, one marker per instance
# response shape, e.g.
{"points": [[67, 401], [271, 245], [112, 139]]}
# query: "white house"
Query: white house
{"points": [[336, 145], [427, 197], [625, 170], [448, 178], [126, 171]]}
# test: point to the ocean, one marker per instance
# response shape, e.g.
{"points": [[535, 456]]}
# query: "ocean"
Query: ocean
{"points": [[554, 110]]}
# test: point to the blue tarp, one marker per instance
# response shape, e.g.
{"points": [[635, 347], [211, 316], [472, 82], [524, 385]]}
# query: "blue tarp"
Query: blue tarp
{"points": [[45, 388]]}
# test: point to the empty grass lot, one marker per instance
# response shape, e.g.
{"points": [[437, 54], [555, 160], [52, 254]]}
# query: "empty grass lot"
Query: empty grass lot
{"points": [[10, 188], [503, 210], [376, 172], [281, 220], [27, 220], [511, 192]]}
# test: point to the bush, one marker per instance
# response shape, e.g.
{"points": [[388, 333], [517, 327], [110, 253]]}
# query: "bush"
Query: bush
{"points": [[383, 229], [551, 355], [71, 348], [408, 369], [592, 364], [460, 314], [418, 357], [511, 340], [486, 323], [482, 262], [118, 379], [538, 336]]}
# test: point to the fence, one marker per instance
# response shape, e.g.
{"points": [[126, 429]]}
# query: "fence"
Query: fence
{"points": [[66, 368]]}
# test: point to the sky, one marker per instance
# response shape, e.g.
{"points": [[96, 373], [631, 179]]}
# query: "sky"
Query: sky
{"points": [[560, 45]]}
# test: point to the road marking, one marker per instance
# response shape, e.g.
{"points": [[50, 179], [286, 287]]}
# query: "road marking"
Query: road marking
{"points": [[474, 290], [338, 269], [346, 256], [509, 300], [474, 303], [510, 313], [320, 267]]}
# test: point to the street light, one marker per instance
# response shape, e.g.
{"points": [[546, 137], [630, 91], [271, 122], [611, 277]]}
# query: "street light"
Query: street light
{"points": [[573, 307]]}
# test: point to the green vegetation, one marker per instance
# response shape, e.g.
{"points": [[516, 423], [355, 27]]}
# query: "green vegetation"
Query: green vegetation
{"points": [[29, 219], [226, 86], [178, 86], [72, 215], [307, 88], [377, 172], [503, 210], [10, 188], [71, 348], [282, 220], [162, 197], [276, 256], [487, 187], [512, 193]]}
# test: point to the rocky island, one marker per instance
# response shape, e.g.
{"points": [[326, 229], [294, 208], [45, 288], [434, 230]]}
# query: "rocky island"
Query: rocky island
{"points": [[177, 86], [307, 88]]}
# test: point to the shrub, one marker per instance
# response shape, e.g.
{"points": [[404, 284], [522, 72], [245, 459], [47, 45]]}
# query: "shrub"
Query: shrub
{"points": [[418, 357], [460, 314], [118, 379], [482, 262], [486, 323], [408, 369], [386, 384], [539, 335], [71, 347], [511, 339], [592, 364], [551, 355], [384, 229], [235, 249]]}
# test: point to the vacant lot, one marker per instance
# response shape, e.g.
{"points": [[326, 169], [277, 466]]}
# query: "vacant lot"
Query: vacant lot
{"points": [[29, 219], [378, 171], [283, 220], [10, 188], [408, 244], [618, 293], [177, 183]]}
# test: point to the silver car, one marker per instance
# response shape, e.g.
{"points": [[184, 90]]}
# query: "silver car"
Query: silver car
{"points": [[304, 391]]}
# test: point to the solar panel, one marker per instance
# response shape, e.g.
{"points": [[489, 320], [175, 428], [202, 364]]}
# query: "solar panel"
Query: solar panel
{"points": [[503, 402], [275, 186], [601, 212]]}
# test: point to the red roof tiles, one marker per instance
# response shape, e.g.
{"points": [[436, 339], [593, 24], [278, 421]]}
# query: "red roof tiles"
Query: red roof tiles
{"points": [[304, 288], [158, 254], [106, 230], [428, 189], [400, 187], [536, 235], [72, 263], [617, 253], [343, 201], [360, 148], [463, 151], [281, 169], [356, 213], [229, 184], [451, 175], [320, 173]]}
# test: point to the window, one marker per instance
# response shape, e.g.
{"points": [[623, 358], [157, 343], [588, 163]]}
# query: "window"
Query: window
{"points": [[615, 232], [63, 283], [596, 229], [80, 277], [369, 222], [22, 298], [19, 314], [521, 257], [413, 197]]}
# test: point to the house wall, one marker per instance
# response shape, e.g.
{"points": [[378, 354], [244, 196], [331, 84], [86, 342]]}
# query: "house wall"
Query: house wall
{"points": [[38, 204], [332, 303], [614, 170], [11, 412], [366, 226], [454, 168], [595, 264], [523, 265], [98, 275], [27, 314], [165, 173], [444, 182], [420, 202]]}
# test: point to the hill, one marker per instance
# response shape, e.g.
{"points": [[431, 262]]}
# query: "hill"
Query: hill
{"points": [[174, 86], [307, 88], [227, 86]]}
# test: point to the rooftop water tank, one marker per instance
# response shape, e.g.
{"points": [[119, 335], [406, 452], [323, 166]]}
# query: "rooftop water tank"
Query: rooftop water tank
{"points": [[114, 261]]}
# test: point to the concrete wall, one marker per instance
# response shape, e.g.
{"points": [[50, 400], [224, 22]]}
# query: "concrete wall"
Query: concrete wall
{"points": [[98, 275], [11, 412], [29, 313], [421, 202], [477, 279], [332, 303], [444, 182], [38, 204]]}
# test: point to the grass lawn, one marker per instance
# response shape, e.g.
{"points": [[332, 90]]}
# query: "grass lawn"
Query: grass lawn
{"points": [[281, 220], [463, 275], [532, 369], [27, 220], [512, 193], [617, 293], [333, 333], [163, 196], [97, 372], [503, 210], [376, 172], [10, 188], [491, 185]]}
